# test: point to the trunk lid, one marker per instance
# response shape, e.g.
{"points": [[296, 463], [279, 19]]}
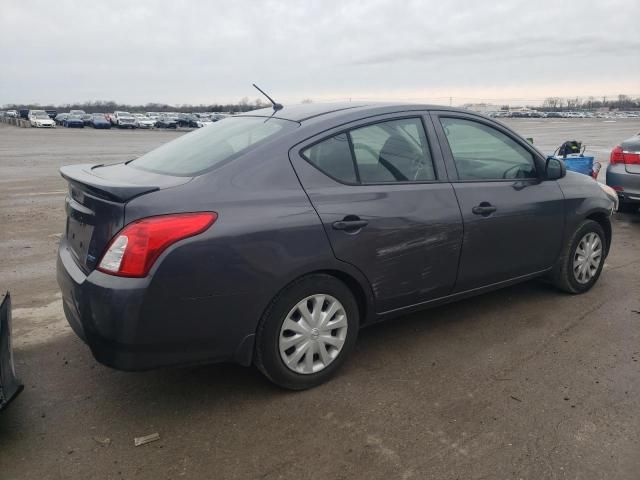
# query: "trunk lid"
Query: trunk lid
{"points": [[632, 145], [95, 205]]}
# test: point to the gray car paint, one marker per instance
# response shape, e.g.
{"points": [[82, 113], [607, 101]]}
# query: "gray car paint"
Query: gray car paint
{"points": [[626, 176], [205, 295]]}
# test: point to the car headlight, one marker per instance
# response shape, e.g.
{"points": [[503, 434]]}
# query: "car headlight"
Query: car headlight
{"points": [[611, 193]]}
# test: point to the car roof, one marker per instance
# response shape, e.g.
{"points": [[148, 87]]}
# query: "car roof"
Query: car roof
{"points": [[307, 111]]}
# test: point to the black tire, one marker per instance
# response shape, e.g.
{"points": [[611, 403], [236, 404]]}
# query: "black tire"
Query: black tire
{"points": [[628, 207], [267, 356], [563, 276]]}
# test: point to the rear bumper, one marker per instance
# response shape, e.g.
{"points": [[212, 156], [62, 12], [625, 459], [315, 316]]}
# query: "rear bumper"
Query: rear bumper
{"points": [[10, 386], [626, 184], [128, 325]]}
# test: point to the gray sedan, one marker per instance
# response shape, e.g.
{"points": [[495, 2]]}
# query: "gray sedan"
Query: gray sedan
{"points": [[271, 237], [623, 173]]}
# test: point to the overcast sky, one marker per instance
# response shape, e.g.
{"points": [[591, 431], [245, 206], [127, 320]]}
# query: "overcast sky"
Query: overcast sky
{"points": [[195, 52]]}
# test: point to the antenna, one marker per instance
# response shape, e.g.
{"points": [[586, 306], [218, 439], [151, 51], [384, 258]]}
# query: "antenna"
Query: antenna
{"points": [[276, 106]]}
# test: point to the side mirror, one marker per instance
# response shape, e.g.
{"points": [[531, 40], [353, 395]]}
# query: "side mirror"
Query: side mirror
{"points": [[555, 168]]}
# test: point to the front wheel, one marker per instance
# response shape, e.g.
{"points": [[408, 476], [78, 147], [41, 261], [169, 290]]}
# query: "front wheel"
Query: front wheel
{"points": [[307, 332], [582, 259]]}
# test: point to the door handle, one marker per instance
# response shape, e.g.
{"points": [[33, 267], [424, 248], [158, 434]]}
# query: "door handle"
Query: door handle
{"points": [[485, 209], [349, 224]]}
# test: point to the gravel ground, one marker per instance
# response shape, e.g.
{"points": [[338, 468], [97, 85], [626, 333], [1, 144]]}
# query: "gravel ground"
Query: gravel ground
{"points": [[524, 383]]}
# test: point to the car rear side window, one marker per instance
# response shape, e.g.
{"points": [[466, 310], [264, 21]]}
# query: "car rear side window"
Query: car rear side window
{"points": [[393, 151], [333, 157], [207, 148], [481, 152]]}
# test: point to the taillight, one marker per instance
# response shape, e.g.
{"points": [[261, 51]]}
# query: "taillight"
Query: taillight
{"points": [[618, 155], [133, 251]]}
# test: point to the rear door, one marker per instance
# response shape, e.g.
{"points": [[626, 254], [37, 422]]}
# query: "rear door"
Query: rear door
{"points": [[382, 194], [513, 220]]}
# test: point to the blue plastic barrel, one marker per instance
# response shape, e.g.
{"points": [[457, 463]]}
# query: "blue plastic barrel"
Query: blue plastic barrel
{"points": [[577, 163]]}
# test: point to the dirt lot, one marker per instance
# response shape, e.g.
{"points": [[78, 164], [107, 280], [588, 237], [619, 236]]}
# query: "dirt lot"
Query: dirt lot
{"points": [[525, 383]]}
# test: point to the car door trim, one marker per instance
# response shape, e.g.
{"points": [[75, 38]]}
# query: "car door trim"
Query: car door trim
{"points": [[466, 293]]}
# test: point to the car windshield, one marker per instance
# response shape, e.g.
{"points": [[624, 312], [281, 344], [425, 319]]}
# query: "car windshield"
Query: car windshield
{"points": [[42, 115], [205, 149]]}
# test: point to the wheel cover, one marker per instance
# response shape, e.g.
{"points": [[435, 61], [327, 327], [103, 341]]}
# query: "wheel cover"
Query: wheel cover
{"points": [[587, 257], [313, 334]]}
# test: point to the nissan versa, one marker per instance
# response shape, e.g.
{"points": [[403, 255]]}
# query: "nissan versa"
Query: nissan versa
{"points": [[272, 237]]}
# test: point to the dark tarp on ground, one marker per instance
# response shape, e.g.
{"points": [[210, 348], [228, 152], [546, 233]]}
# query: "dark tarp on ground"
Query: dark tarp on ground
{"points": [[9, 384]]}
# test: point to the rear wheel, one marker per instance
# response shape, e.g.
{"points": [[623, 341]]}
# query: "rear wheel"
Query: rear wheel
{"points": [[582, 259], [307, 332]]}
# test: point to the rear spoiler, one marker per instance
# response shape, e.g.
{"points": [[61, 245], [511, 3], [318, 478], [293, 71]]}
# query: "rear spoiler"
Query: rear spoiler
{"points": [[10, 386], [114, 188]]}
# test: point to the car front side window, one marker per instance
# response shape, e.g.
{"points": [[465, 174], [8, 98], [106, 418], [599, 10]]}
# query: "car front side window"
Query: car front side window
{"points": [[481, 152]]}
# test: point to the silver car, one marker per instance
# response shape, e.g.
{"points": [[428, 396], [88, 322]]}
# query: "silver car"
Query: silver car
{"points": [[623, 173]]}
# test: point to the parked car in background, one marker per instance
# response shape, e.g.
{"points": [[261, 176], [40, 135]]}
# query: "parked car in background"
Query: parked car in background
{"points": [[24, 113], [99, 121], [203, 121], [271, 240], [86, 118], [40, 119], [187, 120], [73, 121], [77, 112], [623, 173], [52, 113], [166, 121], [12, 113], [142, 121], [123, 120], [60, 118]]}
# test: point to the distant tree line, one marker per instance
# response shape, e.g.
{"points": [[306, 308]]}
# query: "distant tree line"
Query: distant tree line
{"points": [[101, 106], [621, 102]]}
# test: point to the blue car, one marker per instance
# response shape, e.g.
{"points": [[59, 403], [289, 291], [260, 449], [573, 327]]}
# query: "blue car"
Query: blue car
{"points": [[98, 120], [73, 121]]}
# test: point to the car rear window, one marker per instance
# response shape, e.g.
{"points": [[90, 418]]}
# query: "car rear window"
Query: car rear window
{"points": [[206, 148]]}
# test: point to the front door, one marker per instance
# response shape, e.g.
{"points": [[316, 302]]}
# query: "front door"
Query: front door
{"points": [[386, 206], [513, 219]]}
